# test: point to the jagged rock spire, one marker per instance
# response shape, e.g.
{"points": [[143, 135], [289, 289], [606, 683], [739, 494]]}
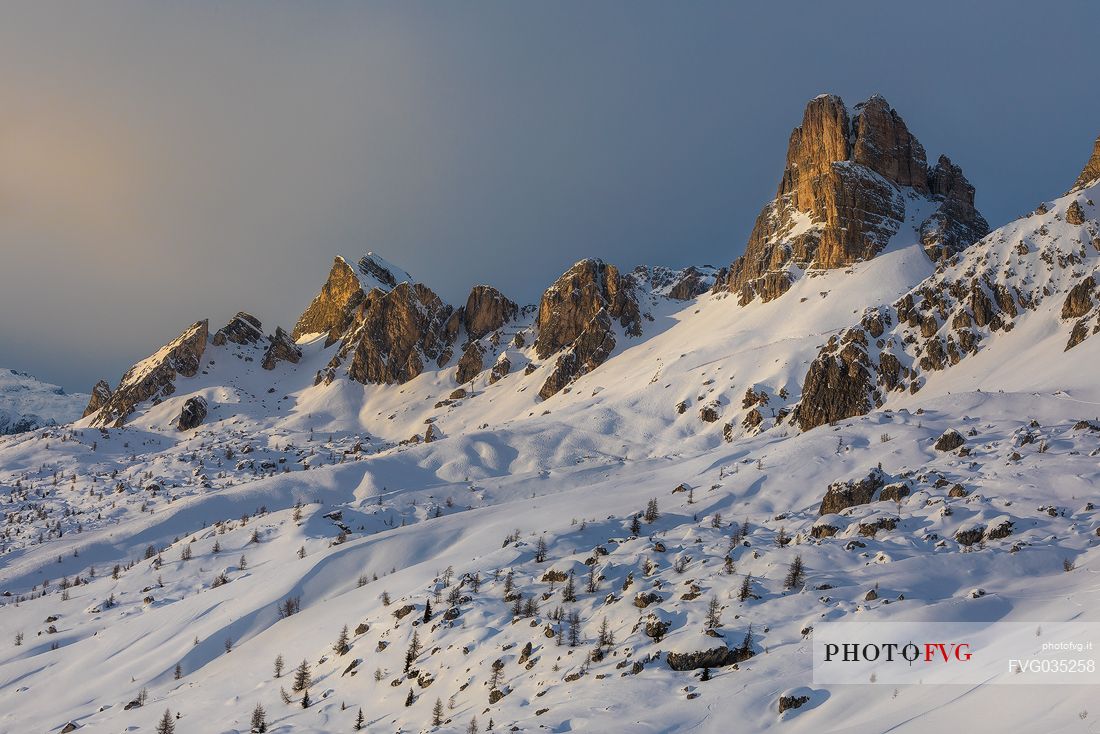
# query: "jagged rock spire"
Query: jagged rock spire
{"points": [[840, 198], [1091, 172], [101, 393], [328, 312], [575, 318], [154, 377]]}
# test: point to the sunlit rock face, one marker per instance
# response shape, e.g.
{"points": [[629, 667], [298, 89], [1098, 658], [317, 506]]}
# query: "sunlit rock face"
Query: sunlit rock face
{"points": [[101, 393], [575, 318], [392, 335], [1091, 172], [847, 182], [486, 310], [328, 312], [154, 378]]}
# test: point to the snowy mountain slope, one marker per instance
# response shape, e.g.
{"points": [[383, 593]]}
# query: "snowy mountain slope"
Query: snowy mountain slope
{"points": [[27, 403], [765, 481], [1011, 312]]}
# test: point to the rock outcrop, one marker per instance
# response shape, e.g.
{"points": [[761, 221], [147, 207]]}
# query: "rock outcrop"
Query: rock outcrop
{"points": [[679, 285], [949, 440], [390, 335], [1079, 299], [243, 329], [576, 315], [842, 495], [588, 351], [486, 310], [569, 305], [330, 310], [500, 370], [1075, 214], [840, 198], [101, 393], [471, 364], [792, 700], [281, 348], [1091, 172], [192, 414], [838, 384], [154, 377], [714, 658], [957, 223], [691, 283]]}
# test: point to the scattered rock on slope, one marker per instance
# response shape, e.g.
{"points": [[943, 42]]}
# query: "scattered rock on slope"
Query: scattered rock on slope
{"points": [[793, 699], [500, 369], [949, 440], [193, 414], [1075, 214], [714, 658], [842, 495]]}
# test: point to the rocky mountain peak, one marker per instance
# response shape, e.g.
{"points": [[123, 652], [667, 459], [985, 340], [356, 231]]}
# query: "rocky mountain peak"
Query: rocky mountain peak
{"points": [[243, 329], [390, 335], [575, 318], [884, 144], [823, 138], [1091, 172], [101, 393], [377, 272], [486, 310], [345, 288], [328, 311], [842, 197], [576, 297], [957, 223], [154, 377]]}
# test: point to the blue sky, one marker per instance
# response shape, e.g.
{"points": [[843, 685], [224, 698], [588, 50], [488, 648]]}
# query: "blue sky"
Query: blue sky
{"points": [[165, 162]]}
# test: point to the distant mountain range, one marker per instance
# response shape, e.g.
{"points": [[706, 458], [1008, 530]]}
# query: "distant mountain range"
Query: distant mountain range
{"points": [[27, 403]]}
